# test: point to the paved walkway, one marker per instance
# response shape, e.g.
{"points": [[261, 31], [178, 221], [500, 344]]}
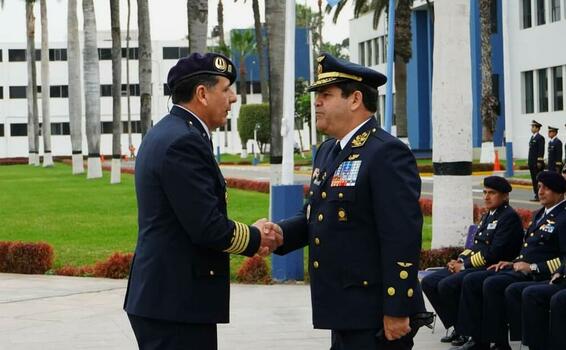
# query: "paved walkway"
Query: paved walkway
{"points": [[64, 313]]}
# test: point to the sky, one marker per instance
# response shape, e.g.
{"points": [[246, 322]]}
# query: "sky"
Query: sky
{"points": [[168, 18]]}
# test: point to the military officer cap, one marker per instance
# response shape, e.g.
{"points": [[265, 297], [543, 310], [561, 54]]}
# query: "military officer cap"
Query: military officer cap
{"points": [[535, 123], [196, 64], [552, 128], [332, 70], [552, 180], [498, 183]]}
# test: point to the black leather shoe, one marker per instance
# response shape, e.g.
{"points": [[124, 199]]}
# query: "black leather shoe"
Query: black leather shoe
{"points": [[472, 345], [459, 340], [449, 337], [500, 347]]}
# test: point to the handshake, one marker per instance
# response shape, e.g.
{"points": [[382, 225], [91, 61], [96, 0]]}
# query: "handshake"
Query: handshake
{"points": [[271, 237]]}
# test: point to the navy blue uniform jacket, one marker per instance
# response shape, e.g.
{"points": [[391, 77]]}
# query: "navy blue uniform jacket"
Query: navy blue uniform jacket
{"points": [[363, 226], [180, 270], [555, 155], [536, 151]]}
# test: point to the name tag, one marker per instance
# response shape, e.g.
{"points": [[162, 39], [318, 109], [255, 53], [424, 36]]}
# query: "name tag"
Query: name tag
{"points": [[346, 174], [547, 228], [492, 226]]}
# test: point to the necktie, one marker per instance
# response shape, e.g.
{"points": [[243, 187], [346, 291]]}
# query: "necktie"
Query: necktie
{"points": [[541, 218], [333, 153]]}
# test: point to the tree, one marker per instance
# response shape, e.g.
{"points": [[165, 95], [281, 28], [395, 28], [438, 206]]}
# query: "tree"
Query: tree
{"points": [[116, 90], [128, 99], [197, 14], [75, 99], [306, 18], [243, 44], [302, 107], [46, 130], [488, 100], [144, 66], [275, 19], [403, 52], [252, 117], [31, 92], [92, 91]]}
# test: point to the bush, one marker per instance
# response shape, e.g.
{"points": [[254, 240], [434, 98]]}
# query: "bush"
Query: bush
{"points": [[250, 115], [116, 266], [254, 270], [426, 206], [14, 161], [438, 257], [27, 258], [82, 271], [525, 215]]}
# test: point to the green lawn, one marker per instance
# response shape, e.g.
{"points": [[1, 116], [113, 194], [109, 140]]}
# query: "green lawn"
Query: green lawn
{"points": [[236, 158], [87, 220]]}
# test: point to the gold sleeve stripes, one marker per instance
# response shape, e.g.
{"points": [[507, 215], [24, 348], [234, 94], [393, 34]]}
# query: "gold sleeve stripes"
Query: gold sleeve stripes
{"points": [[553, 265], [478, 260], [466, 252], [240, 239]]}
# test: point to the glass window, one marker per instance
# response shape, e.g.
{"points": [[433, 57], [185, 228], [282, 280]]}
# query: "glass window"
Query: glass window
{"points": [[0, 55], [18, 92], [542, 90], [1, 92], [61, 91], [105, 90], [19, 129], [175, 52], [362, 53], [384, 49], [106, 127], [493, 14], [527, 14], [1, 130], [541, 12], [16, 55], [60, 129], [105, 54], [370, 52], [555, 10], [136, 127], [57, 54], [558, 90], [375, 44], [529, 92], [134, 53]]}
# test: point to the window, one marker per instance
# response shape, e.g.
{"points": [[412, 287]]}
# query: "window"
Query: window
{"points": [[541, 12], [375, 44], [61, 91], [554, 10], [493, 14], [106, 127], [370, 53], [1, 130], [166, 91], [60, 129], [558, 90], [529, 92], [173, 53], [104, 54], [16, 55], [362, 53], [134, 89], [19, 129], [0, 55], [1, 92], [527, 14], [18, 92], [134, 53], [384, 49], [57, 54], [106, 90], [542, 90], [136, 127]]}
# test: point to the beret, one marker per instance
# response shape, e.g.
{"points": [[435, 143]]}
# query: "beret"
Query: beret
{"points": [[552, 180], [498, 183], [196, 64]]}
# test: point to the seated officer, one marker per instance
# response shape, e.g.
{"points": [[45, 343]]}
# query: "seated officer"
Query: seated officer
{"points": [[498, 238], [482, 312]]}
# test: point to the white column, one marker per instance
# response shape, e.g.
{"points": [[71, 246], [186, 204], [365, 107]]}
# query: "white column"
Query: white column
{"points": [[288, 122]]}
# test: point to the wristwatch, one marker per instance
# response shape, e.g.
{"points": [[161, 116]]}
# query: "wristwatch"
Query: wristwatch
{"points": [[534, 268]]}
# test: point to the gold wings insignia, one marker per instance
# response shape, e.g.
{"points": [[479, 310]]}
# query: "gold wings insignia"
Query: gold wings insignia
{"points": [[404, 264], [360, 140], [353, 156]]}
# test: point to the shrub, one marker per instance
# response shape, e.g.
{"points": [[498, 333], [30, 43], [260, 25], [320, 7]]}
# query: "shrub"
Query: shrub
{"points": [[116, 266], [525, 215], [438, 257], [81, 271], [426, 206], [27, 258], [254, 270], [13, 161], [250, 115]]}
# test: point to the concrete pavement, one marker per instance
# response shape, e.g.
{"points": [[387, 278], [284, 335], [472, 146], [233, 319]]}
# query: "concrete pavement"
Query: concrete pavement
{"points": [[64, 313]]}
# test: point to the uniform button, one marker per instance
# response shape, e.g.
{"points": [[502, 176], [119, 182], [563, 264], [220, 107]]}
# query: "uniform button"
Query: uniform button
{"points": [[365, 283], [211, 272], [341, 214], [532, 234], [340, 195], [404, 274], [315, 264], [391, 291], [525, 245], [320, 217], [410, 292], [323, 195], [520, 256], [317, 241], [311, 193], [480, 233], [476, 241]]}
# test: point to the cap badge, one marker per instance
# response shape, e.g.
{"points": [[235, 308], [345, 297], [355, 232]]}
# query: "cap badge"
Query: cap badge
{"points": [[319, 69], [220, 64]]}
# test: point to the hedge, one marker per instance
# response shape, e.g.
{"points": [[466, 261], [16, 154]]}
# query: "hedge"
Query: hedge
{"points": [[27, 258]]}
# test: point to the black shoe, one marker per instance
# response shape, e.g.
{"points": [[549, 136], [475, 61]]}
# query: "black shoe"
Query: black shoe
{"points": [[497, 346], [449, 337], [472, 345], [459, 340]]}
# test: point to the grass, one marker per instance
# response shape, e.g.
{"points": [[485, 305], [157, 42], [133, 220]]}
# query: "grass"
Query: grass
{"points": [[87, 220], [226, 158]]}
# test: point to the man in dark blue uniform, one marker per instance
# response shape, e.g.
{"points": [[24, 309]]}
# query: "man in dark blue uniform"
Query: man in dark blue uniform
{"points": [[178, 288], [362, 221], [498, 238], [536, 155], [554, 150], [483, 311], [529, 303]]}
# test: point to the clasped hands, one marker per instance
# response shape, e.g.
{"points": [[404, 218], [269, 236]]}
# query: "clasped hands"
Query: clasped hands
{"points": [[519, 266], [454, 266], [271, 237]]}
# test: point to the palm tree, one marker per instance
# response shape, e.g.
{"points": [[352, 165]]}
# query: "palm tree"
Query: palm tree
{"points": [[243, 43], [488, 100], [451, 111], [144, 41], [116, 90], [220, 15], [197, 14], [92, 91], [33, 113], [47, 157], [128, 102], [75, 99], [275, 19], [403, 52]]}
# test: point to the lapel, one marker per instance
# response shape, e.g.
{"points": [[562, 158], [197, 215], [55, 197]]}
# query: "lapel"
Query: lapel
{"points": [[192, 121], [358, 140], [534, 226]]}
